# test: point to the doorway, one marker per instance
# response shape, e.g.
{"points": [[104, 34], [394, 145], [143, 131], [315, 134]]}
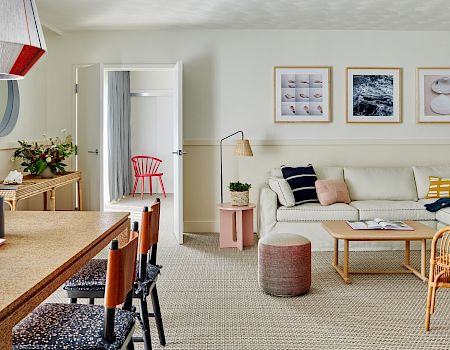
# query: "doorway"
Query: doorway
{"points": [[155, 130]]}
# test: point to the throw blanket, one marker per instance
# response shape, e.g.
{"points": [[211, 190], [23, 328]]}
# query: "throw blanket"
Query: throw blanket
{"points": [[439, 204]]}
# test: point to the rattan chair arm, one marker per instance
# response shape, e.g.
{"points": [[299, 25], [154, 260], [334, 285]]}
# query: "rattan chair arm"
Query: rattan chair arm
{"points": [[436, 237]]}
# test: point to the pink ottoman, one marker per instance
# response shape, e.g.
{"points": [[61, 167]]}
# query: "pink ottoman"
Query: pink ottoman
{"points": [[284, 264]]}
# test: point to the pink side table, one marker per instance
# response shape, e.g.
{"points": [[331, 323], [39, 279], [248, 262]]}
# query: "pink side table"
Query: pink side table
{"points": [[236, 225]]}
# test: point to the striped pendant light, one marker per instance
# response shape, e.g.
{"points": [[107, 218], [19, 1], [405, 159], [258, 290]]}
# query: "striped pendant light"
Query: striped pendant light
{"points": [[21, 38]]}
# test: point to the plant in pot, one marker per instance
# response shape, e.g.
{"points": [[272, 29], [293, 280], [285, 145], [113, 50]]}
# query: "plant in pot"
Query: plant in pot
{"points": [[46, 160], [239, 193]]}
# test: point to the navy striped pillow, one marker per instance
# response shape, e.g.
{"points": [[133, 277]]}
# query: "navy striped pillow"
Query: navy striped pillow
{"points": [[302, 182]]}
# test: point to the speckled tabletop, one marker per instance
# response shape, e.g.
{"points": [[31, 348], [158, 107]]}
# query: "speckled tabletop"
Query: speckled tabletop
{"points": [[44, 249]]}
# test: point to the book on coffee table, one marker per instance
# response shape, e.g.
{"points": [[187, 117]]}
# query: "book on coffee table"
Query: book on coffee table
{"points": [[379, 224]]}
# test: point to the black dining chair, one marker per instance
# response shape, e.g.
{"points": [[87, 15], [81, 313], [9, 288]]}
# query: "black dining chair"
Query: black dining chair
{"points": [[89, 282], [76, 326]]}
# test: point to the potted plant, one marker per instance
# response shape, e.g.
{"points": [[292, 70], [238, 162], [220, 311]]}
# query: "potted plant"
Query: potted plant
{"points": [[239, 193], [45, 160]]}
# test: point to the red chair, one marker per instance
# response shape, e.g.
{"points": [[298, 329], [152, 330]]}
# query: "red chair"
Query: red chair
{"points": [[145, 166]]}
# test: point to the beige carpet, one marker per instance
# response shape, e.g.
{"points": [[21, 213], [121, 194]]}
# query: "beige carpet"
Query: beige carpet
{"points": [[210, 299]]}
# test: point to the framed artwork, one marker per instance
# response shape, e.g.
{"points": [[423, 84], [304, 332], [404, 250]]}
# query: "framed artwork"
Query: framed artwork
{"points": [[433, 95], [374, 95], [302, 94]]}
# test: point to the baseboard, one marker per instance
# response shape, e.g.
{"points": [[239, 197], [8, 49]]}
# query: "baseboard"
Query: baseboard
{"points": [[214, 226], [201, 226]]}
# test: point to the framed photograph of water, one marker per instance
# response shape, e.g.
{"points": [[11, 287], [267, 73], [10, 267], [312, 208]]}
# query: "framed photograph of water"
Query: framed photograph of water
{"points": [[433, 95], [374, 95], [302, 94]]}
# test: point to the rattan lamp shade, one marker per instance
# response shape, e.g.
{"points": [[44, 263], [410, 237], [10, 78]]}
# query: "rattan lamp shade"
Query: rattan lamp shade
{"points": [[243, 148], [21, 38]]}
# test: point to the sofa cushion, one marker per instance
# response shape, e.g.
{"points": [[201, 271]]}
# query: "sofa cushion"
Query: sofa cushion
{"points": [[332, 191], [381, 183], [439, 187], [392, 210], [301, 180], [283, 191], [422, 176], [323, 173], [443, 216], [317, 212]]}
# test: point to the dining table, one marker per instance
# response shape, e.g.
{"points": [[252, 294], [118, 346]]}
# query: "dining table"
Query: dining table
{"points": [[42, 250]]}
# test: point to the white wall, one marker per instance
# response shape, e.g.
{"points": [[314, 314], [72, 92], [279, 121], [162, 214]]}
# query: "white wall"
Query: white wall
{"points": [[152, 124], [31, 124], [228, 85], [32, 121], [228, 75]]}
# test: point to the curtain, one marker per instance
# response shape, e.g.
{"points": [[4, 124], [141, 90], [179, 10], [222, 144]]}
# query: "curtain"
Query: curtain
{"points": [[119, 135]]}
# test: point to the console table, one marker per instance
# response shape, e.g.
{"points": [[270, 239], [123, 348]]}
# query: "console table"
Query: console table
{"points": [[34, 185]]}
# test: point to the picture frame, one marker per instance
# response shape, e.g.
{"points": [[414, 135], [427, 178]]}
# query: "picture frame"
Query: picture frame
{"points": [[302, 94], [433, 95], [374, 95]]}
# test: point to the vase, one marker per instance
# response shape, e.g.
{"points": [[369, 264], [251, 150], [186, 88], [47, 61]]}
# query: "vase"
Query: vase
{"points": [[239, 199], [47, 173]]}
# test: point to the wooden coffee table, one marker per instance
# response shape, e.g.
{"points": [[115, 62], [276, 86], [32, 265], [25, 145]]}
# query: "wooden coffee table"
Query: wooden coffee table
{"points": [[341, 230]]}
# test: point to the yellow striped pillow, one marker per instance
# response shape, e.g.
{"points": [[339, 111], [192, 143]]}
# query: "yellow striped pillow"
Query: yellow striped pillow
{"points": [[439, 187]]}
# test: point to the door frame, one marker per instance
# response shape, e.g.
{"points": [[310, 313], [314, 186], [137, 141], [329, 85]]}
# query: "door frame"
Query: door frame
{"points": [[74, 123], [169, 65]]}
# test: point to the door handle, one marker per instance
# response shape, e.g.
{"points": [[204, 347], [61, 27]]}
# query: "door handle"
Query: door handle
{"points": [[94, 152], [179, 152]]}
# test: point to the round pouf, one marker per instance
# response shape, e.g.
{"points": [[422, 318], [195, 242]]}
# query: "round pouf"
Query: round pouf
{"points": [[284, 264]]}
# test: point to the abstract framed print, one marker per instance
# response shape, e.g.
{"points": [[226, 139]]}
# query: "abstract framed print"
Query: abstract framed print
{"points": [[302, 94], [374, 95], [433, 95]]}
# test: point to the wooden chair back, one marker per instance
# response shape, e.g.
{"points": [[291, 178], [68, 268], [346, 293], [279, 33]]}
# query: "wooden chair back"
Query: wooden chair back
{"points": [[150, 227], [440, 255], [121, 272], [145, 165], [439, 270], [144, 243], [154, 222], [120, 276], [149, 237], [444, 247]]}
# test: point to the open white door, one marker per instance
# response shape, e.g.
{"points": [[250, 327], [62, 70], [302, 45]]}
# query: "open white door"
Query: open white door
{"points": [[178, 152], [89, 135]]}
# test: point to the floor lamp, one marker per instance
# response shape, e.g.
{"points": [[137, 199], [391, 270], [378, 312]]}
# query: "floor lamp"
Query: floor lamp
{"points": [[242, 148]]}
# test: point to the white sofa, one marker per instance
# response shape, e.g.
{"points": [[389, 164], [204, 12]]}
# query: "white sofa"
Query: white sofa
{"points": [[385, 192]]}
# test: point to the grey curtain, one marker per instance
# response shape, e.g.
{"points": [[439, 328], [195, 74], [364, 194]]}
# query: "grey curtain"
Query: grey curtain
{"points": [[119, 138]]}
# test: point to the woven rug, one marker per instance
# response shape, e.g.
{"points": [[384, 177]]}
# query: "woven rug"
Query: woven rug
{"points": [[210, 299]]}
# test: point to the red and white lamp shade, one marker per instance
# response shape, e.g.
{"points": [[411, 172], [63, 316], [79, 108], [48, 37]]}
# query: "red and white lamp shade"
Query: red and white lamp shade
{"points": [[21, 38]]}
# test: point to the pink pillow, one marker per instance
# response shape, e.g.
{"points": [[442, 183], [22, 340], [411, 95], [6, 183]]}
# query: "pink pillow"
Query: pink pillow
{"points": [[332, 191]]}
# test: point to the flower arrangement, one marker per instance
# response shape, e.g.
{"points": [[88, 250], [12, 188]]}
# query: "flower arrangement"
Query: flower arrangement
{"points": [[37, 158]]}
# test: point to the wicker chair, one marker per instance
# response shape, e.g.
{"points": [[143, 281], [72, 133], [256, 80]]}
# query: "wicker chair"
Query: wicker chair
{"points": [[439, 270]]}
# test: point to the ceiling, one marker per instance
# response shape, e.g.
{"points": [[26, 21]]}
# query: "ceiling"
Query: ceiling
{"points": [[69, 15]]}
